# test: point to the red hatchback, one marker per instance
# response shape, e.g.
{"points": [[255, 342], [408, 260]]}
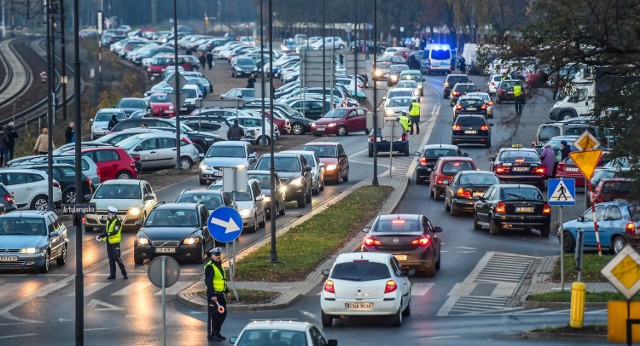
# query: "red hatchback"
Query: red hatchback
{"points": [[112, 162], [160, 63], [443, 172], [341, 121], [613, 189], [161, 106]]}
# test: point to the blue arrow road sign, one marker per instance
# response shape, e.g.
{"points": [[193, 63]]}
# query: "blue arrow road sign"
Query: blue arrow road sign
{"points": [[225, 224], [561, 191]]}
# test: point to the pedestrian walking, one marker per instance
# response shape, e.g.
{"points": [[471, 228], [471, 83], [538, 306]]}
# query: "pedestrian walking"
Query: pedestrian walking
{"points": [[217, 295], [548, 157], [113, 122], [10, 136], [69, 133], [519, 97], [42, 143], [414, 112], [251, 82], [209, 60], [235, 132], [462, 64], [3, 148], [203, 59], [112, 234]]}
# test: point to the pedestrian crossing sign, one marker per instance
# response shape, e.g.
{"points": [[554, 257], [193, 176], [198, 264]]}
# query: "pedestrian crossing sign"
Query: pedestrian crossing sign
{"points": [[561, 192]]}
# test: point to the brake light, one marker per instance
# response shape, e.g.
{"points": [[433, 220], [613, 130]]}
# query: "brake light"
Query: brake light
{"points": [[397, 222], [404, 137], [135, 158], [456, 163], [484, 128], [9, 198], [84, 220], [329, 286], [391, 286], [456, 93], [483, 107], [459, 107], [501, 208], [538, 170], [457, 127], [423, 161], [630, 228], [462, 193], [89, 182], [371, 138], [186, 140], [490, 103], [501, 170], [424, 242], [369, 242], [546, 209]]}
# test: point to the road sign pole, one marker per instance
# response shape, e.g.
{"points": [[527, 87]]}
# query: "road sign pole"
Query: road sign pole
{"points": [[164, 307], [595, 222], [393, 124], [560, 214], [579, 247], [233, 275]]}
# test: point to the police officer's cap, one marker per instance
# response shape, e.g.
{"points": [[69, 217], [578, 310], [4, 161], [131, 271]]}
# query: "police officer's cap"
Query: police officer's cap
{"points": [[215, 251], [112, 209]]}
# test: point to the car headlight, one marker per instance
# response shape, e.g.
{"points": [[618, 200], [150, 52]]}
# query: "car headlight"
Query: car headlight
{"points": [[245, 212], [297, 182], [332, 125], [28, 250], [134, 211], [416, 92], [313, 124], [170, 107], [267, 199], [283, 188], [331, 167], [142, 241], [204, 167], [394, 77], [419, 86], [191, 241], [389, 112], [377, 72]]}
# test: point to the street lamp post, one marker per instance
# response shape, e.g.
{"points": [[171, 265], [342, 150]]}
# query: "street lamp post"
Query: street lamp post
{"points": [[273, 258], [263, 139], [51, 79], [178, 104], [374, 182]]}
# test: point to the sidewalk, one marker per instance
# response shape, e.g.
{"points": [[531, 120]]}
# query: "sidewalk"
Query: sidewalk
{"points": [[291, 292]]}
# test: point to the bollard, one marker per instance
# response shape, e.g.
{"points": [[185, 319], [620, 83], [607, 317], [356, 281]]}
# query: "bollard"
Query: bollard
{"points": [[577, 304]]}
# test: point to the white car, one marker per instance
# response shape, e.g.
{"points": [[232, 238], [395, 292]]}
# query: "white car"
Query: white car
{"points": [[366, 284], [493, 82], [100, 123], [335, 43], [158, 150], [250, 204], [30, 188], [252, 122], [292, 333], [317, 169]]}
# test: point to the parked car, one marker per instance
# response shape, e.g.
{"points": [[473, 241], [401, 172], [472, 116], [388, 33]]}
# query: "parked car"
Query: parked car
{"points": [[131, 104], [113, 162], [471, 128], [466, 188], [65, 175], [100, 123], [158, 150], [294, 171], [179, 230], [226, 154], [287, 332], [430, 154], [7, 202], [334, 157], [161, 106], [614, 189], [444, 170], [317, 168], [251, 205], [89, 167], [264, 179], [30, 188], [341, 121], [33, 239], [242, 66], [238, 94]]}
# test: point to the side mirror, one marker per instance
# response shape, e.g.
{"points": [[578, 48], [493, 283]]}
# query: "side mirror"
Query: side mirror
{"points": [[253, 155], [307, 169], [437, 229], [366, 229], [418, 153], [492, 158], [580, 219], [115, 106], [201, 156], [325, 272], [332, 342], [90, 120], [54, 234], [233, 339]]}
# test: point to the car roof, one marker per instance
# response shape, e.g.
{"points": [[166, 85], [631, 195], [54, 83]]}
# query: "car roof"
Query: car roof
{"points": [[110, 110], [328, 144], [379, 257], [187, 206], [283, 325], [303, 152], [456, 158], [400, 217], [122, 182], [518, 149], [440, 145], [230, 144], [201, 192], [410, 72], [28, 213], [525, 186], [20, 170]]}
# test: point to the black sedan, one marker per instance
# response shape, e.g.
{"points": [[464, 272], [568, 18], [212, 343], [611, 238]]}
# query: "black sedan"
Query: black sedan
{"points": [[466, 188], [430, 155], [507, 206], [469, 105], [65, 175], [409, 237], [518, 165], [471, 128], [174, 229]]}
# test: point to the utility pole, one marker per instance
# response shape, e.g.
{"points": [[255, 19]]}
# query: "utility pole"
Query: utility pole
{"points": [[263, 139], [374, 182], [50, 80], [273, 257], [63, 77]]}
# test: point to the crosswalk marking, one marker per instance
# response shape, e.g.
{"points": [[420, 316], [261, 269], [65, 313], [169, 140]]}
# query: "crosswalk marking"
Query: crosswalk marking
{"points": [[175, 289], [92, 288], [12, 287], [132, 287]]}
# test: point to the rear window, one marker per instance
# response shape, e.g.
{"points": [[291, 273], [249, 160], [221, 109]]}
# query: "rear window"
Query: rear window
{"points": [[457, 79], [440, 54], [479, 179], [453, 167], [471, 102], [397, 225], [618, 187], [466, 88], [470, 121], [519, 156], [510, 194], [360, 271], [545, 133], [434, 153], [634, 211]]}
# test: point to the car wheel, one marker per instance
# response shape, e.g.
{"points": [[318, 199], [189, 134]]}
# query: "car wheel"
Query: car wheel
{"points": [[282, 211], [137, 259], [69, 196], [342, 131], [439, 262], [436, 194], [263, 222], [341, 47], [308, 196], [407, 310], [123, 175], [45, 266], [396, 320], [430, 271], [494, 229], [302, 201], [200, 259], [41, 202], [431, 192], [545, 231], [370, 151], [316, 192], [476, 224], [62, 260], [185, 162], [327, 320], [297, 129], [566, 116], [498, 100], [346, 177], [618, 244], [321, 185], [569, 242], [267, 140]]}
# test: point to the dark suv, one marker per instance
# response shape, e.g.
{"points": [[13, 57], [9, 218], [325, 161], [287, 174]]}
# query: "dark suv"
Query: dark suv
{"points": [[471, 128], [505, 90], [451, 81], [294, 172], [66, 176], [430, 155], [460, 90]]}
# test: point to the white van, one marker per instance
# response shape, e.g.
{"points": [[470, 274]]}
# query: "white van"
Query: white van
{"points": [[437, 59]]}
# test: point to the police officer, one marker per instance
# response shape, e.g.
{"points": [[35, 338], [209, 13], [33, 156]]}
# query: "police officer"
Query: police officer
{"points": [[414, 112], [404, 120], [519, 97], [112, 234], [217, 294]]}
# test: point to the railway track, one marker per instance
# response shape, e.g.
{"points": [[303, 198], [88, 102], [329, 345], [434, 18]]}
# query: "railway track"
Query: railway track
{"points": [[17, 80]]}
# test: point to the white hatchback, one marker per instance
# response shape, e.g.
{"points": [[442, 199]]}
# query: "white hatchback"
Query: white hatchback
{"points": [[366, 284], [30, 187]]}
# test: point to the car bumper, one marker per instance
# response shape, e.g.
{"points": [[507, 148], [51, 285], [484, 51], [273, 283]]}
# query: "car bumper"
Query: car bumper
{"points": [[294, 193], [397, 146], [210, 175], [99, 133], [23, 261], [182, 251], [96, 220], [519, 221], [533, 180], [469, 139], [423, 172], [324, 130], [337, 306], [463, 204]]}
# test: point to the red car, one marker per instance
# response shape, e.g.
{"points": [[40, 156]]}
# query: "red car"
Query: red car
{"points": [[568, 169], [112, 162], [613, 189], [335, 159], [160, 63], [161, 106], [443, 172], [341, 121], [283, 124]]}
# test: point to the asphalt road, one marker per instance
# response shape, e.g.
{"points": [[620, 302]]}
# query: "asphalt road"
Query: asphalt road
{"points": [[37, 308]]}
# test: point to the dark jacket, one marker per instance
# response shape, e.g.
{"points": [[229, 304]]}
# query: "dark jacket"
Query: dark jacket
{"points": [[251, 82], [68, 134], [235, 133], [10, 136], [113, 122], [565, 150]]}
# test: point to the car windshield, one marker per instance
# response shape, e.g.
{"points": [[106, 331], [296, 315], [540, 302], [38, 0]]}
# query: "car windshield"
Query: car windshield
{"points": [[471, 121], [547, 132], [393, 93], [282, 164], [172, 218], [397, 69], [336, 113], [191, 92], [210, 201], [255, 337], [322, 150], [240, 196], [263, 179], [435, 153], [634, 211], [360, 270], [106, 116], [226, 151], [519, 193], [23, 226], [132, 104], [411, 77], [399, 102], [513, 156], [453, 167], [159, 98], [118, 191], [396, 226], [245, 61], [479, 179], [129, 143]]}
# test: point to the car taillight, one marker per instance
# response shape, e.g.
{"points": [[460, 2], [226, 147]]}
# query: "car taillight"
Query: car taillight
{"points": [[424, 242], [391, 286], [89, 182], [501, 170], [630, 228], [501, 208], [458, 106], [329, 286], [546, 209], [186, 140], [457, 127], [484, 128], [369, 242], [56, 184], [371, 138], [463, 193], [483, 107], [9, 198], [423, 161], [456, 93], [490, 103], [404, 137], [538, 170], [135, 158]]}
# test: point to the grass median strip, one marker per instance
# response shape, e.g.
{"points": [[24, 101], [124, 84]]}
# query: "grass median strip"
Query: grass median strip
{"points": [[591, 266], [596, 297], [596, 329], [305, 246]]}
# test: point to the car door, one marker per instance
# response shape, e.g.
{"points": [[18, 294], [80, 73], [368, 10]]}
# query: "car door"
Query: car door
{"points": [[167, 152], [108, 162], [148, 151], [432, 175], [611, 224], [23, 191], [428, 230], [403, 282], [148, 197], [258, 199], [585, 222], [483, 205], [54, 242]]}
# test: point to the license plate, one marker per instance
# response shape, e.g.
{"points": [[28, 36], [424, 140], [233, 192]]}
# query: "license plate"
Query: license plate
{"points": [[378, 139], [478, 194], [217, 174], [103, 218], [165, 250], [619, 200], [471, 108], [358, 306], [525, 209], [470, 132], [571, 169], [320, 129], [400, 257], [8, 258], [520, 169]]}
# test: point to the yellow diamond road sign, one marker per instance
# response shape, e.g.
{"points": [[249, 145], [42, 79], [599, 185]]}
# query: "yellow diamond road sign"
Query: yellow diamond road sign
{"points": [[586, 142], [623, 272]]}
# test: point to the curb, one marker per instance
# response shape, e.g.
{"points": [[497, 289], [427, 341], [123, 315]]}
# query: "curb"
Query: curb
{"points": [[564, 336], [562, 305]]}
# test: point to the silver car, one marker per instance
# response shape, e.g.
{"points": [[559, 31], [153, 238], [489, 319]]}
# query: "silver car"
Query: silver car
{"points": [[158, 150], [250, 204], [317, 168], [100, 123], [32, 239], [226, 154]]}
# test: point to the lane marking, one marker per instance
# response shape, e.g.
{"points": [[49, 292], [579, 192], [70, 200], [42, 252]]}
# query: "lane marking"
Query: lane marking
{"points": [[92, 288], [131, 288], [17, 336], [421, 288]]}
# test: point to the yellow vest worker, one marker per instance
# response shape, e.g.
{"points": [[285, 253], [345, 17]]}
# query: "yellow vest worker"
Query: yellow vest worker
{"points": [[217, 295], [113, 234], [415, 109], [405, 122], [415, 117], [517, 90]]}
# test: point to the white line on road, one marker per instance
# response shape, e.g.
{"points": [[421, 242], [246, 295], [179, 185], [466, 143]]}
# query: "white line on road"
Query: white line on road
{"points": [[420, 289], [92, 288], [17, 336], [133, 287]]}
